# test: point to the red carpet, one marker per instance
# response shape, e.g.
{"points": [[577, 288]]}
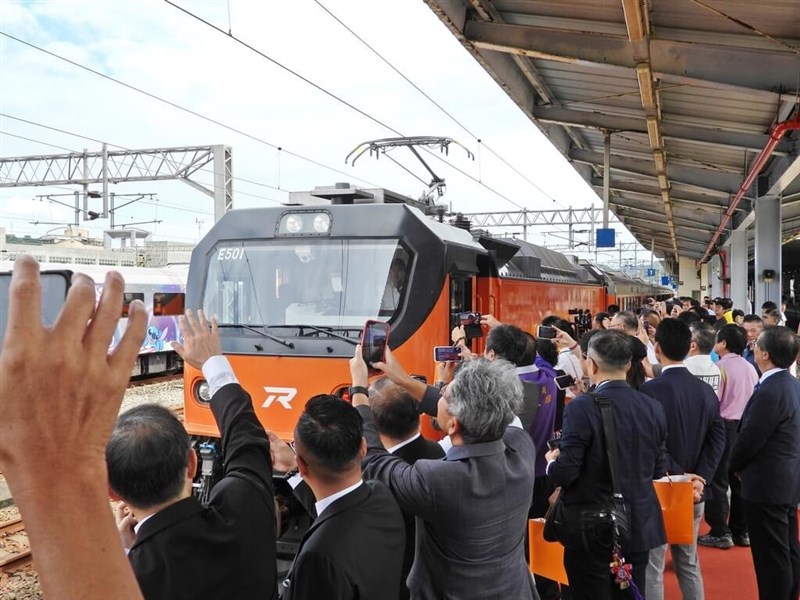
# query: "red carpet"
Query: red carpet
{"points": [[727, 574]]}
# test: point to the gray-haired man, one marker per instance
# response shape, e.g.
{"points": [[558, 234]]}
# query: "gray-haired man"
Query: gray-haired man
{"points": [[472, 507]]}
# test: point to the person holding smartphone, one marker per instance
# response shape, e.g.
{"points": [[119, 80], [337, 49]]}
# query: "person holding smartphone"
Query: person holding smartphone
{"points": [[470, 541]]}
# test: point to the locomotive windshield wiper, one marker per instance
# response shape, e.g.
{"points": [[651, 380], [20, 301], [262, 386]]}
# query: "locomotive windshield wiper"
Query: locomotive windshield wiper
{"points": [[259, 332], [321, 330]]}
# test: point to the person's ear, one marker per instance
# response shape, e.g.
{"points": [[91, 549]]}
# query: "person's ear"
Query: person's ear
{"points": [[302, 467], [453, 427], [113, 495], [490, 354], [191, 464], [363, 450]]}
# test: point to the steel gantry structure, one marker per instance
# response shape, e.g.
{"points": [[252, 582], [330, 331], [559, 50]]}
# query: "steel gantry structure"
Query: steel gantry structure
{"points": [[118, 166]]}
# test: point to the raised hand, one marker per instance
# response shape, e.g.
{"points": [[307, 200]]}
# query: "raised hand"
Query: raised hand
{"points": [[200, 340]]}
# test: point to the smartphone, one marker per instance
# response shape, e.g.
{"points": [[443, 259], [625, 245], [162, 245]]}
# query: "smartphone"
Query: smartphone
{"points": [[469, 318], [373, 341], [545, 332], [565, 381], [55, 285], [446, 353], [554, 443]]}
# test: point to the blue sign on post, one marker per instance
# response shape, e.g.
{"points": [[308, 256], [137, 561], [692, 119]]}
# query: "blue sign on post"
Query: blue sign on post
{"points": [[665, 280], [605, 238], [651, 272]]}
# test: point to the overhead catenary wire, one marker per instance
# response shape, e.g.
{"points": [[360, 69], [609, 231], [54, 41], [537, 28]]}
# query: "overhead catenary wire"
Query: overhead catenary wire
{"points": [[186, 110], [336, 97], [477, 138]]}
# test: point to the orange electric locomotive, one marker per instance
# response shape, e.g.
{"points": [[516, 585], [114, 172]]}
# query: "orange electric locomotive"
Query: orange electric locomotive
{"points": [[292, 287]]}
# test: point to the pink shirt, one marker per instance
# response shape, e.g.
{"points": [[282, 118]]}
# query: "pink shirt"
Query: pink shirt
{"points": [[738, 378]]}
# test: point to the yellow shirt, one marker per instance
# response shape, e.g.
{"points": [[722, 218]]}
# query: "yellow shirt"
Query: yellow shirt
{"points": [[728, 316]]}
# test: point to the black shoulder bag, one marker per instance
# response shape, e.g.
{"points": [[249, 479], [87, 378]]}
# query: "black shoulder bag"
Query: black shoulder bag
{"points": [[606, 524]]}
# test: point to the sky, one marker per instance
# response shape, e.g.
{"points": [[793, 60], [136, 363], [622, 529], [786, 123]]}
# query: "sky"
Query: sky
{"points": [[158, 48]]}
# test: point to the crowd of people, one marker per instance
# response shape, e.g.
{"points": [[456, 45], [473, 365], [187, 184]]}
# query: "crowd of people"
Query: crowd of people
{"points": [[672, 390]]}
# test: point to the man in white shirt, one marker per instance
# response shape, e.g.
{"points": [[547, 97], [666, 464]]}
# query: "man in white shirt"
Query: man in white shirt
{"points": [[699, 362]]}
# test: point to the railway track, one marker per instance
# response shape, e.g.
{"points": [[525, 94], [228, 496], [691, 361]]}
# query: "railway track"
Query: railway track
{"points": [[15, 551], [153, 380]]}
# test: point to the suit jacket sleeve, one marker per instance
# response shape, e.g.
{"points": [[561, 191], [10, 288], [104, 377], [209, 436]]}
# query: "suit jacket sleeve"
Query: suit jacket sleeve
{"points": [[714, 443], [430, 401], [760, 418], [410, 488], [575, 440], [244, 442], [320, 578]]}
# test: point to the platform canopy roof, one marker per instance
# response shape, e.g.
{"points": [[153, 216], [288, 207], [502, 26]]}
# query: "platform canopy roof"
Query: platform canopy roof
{"points": [[689, 91]]}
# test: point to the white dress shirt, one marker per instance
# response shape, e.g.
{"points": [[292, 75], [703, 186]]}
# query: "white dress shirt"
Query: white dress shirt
{"points": [[321, 505], [769, 373]]}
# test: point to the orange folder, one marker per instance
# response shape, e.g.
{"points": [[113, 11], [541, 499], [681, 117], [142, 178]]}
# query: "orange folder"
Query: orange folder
{"points": [[547, 558], [675, 495]]}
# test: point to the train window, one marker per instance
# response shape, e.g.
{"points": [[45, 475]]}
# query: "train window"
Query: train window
{"points": [[129, 297], [317, 282], [168, 303]]}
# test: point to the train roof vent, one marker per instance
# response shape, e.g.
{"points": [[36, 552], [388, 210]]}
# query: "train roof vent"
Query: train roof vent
{"points": [[529, 266], [342, 193]]}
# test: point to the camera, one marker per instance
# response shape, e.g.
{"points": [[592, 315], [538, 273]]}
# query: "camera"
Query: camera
{"points": [[582, 319]]}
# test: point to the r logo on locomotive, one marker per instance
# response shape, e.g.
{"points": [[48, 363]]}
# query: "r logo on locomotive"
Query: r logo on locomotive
{"points": [[281, 394]]}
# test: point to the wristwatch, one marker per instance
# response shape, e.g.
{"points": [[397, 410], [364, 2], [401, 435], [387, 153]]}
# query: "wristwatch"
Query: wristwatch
{"points": [[358, 389]]}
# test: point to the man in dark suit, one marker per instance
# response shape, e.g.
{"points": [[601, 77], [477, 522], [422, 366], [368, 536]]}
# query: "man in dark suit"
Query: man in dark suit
{"points": [[178, 546], [354, 547], [473, 504], [695, 443], [766, 456], [581, 468], [396, 418]]}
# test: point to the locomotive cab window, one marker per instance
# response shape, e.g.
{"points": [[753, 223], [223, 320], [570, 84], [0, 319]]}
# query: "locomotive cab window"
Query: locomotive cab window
{"points": [[319, 282]]}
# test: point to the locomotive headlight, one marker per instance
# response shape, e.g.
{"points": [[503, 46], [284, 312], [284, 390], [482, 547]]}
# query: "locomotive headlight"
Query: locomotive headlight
{"points": [[322, 223], [294, 223], [202, 392]]}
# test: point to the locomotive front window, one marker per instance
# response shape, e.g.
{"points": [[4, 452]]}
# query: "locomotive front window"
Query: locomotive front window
{"points": [[316, 282]]}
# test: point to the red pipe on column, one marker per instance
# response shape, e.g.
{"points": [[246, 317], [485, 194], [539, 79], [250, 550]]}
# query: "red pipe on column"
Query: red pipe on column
{"points": [[774, 137]]}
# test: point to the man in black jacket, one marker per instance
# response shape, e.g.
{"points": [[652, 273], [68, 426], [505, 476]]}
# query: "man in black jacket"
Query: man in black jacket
{"points": [[695, 443], [354, 548], [581, 468], [397, 421], [179, 547], [766, 456]]}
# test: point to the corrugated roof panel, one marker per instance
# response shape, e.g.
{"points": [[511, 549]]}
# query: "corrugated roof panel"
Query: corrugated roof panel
{"points": [[772, 16]]}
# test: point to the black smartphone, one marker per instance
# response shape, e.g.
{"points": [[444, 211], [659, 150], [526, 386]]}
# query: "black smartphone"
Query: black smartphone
{"points": [[565, 381], [554, 443], [446, 353], [55, 285], [373, 341], [545, 332]]}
